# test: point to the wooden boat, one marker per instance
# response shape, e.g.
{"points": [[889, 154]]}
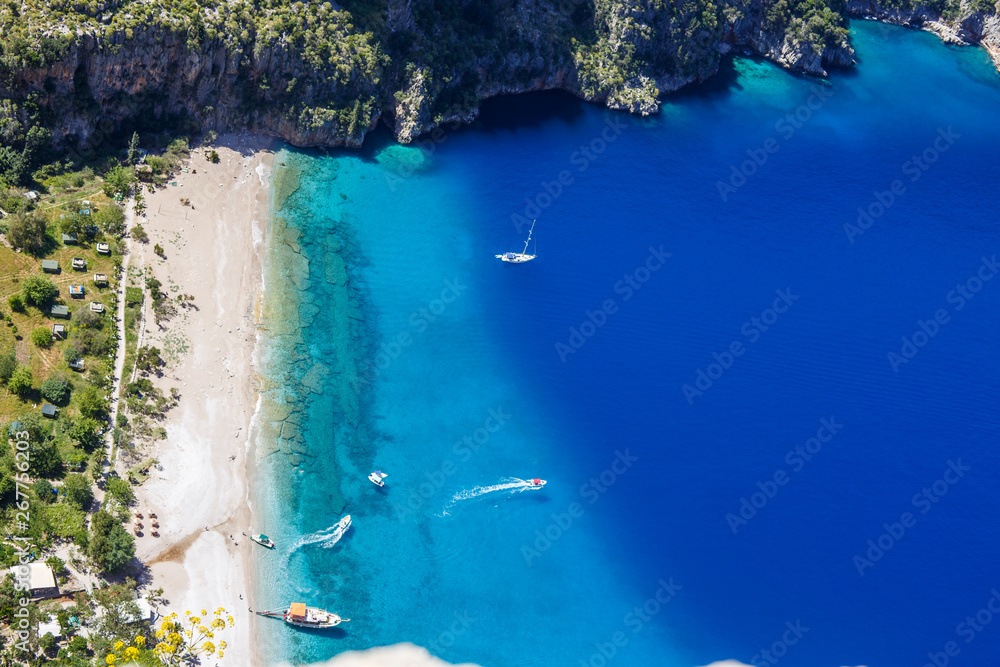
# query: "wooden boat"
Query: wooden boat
{"points": [[263, 540], [301, 616]]}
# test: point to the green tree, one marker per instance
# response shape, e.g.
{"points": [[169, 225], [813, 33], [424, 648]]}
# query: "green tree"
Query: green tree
{"points": [[16, 303], [78, 491], [43, 490], [55, 390], [121, 489], [8, 364], [28, 232], [38, 291], [110, 219], [41, 337], [118, 181], [110, 546], [86, 432], [71, 354], [44, 459], [133, 149], [92, 403], [20, 381]]}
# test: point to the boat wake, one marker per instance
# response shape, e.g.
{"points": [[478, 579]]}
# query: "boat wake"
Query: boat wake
{"points": [[325, 538], [508, 486]]}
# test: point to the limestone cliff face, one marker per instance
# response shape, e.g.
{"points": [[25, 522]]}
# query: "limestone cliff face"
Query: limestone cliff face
{"points": [[414, 68], [966, 29]]}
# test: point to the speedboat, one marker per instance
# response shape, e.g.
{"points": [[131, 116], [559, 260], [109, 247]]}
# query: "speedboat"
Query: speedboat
{"points": [[263, 540], [344, 523], [377, 477], [537, 483]]}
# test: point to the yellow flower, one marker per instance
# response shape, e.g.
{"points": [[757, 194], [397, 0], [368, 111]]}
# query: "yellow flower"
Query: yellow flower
{"points": [[203, 612], [187, 613], [209, 647], [195, 620], [118, 645], [218, 623], [222, 645], [203, 630], [110, 659], [159, 634], [131, 652], [140, 641]]}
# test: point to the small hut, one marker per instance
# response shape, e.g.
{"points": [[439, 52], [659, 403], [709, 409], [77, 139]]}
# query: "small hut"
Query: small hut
{"points": [[69, 239], [97, 306], [49, 411], [50, 266], [58, 330], [79, 264], [103, 248], [100, 279], [76, 291], [60, 311]]}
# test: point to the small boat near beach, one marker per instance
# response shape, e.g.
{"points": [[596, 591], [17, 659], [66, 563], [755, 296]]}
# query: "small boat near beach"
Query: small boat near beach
{"points": [[519, 257], [377, 477], [263, 540], [301, 616]]}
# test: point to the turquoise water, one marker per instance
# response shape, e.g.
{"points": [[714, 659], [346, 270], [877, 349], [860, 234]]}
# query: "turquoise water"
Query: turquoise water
{"points": [[680, 524]]}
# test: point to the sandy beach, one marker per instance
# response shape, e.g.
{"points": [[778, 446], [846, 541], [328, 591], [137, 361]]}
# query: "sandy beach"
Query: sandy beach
{"points": [[199, 490]]}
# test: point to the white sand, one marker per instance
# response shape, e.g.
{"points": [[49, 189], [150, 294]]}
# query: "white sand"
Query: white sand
{"points": [[211, 254]]}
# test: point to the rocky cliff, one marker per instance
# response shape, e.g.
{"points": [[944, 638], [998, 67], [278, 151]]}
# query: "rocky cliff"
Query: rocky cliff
{"points": [[320, 74]]}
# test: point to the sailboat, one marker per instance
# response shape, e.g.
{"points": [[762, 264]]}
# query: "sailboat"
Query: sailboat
{"points": [[519, 257], [377, 477]]}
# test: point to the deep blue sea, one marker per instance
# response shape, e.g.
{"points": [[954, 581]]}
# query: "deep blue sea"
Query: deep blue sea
{"points": [[755, 360]]}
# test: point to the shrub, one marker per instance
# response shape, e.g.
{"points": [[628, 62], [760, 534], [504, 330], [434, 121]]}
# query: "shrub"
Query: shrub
{"points": [[43, 490], [16, 303], [139, 234], [111, 220], [8, 364], [38, 291], [213, 157], [20, 381], [28, 232], [54, 390], [71, 354], [158, 249], [42, 337]]}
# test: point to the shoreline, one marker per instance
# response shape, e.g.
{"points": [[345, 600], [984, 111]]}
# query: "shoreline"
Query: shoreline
{"points": [[200, 487]]}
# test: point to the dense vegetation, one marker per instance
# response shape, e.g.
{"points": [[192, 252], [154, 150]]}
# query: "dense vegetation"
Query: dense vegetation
{"points": [[318, 72]]}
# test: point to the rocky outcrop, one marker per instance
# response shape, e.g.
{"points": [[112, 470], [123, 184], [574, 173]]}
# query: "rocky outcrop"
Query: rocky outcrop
{"points": [[968, 28]]}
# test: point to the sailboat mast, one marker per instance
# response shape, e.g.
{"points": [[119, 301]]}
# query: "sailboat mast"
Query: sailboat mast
{"points": [[525, 251]]}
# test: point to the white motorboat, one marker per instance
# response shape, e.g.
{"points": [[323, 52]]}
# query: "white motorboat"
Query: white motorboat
{"points": [[377, 477]]}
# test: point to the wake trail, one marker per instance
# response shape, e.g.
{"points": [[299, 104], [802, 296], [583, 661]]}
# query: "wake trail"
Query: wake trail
{"points": [[507, 486]]}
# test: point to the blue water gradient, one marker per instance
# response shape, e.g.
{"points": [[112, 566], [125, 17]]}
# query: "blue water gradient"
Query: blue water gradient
{"points": [[716, 246]]}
